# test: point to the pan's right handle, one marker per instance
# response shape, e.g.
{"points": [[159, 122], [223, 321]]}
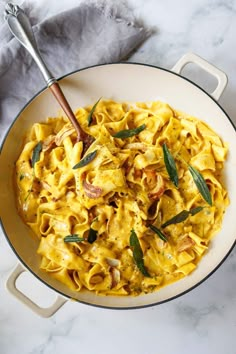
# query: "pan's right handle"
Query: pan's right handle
{"points": [[205, 65], [43, 312]]}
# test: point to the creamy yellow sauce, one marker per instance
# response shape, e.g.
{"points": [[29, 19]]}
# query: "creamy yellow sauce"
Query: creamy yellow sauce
{"points": [[124, 187]]}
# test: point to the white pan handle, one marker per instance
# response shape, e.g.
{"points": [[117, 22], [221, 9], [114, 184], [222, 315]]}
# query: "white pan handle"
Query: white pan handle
{"points": [[205, 65], [43, 312]]}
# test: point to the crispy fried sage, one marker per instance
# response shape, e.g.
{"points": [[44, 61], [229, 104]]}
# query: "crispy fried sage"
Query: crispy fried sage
{"points": [[201, 184], [35, 158], [90, 116], [92, 236], [86, 160], [158, 232], [170, 165], [36, 153], [73, 238], [182, 216], [128, 133], [137, 253]]}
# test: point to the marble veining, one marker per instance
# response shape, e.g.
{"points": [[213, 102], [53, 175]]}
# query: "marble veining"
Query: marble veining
{"points": [[202, 321]]}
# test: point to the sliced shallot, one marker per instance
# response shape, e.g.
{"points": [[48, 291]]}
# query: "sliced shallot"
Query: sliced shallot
{"points": [[185, 244], [48, 142], [92, 191], [115, 273], [113, 262], [158, 190], [62, 134]]}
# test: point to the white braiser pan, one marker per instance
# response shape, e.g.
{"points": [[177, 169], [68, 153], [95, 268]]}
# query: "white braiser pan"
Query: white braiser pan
{"points": [[122, 82]]}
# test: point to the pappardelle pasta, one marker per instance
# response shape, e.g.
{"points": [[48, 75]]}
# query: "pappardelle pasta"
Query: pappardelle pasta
{"points": [[137, 211]]}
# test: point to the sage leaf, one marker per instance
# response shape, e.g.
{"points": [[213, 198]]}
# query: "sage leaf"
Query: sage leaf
{"points": [[128, 133], [195, 210], [92, 236], [182, 216], [28, 194], [73, 238], [201, 184], [90, 116], [22, 177], [36, 153], [158, 232], [86, 160], [137, 253], [35, 158], [170, 165]]}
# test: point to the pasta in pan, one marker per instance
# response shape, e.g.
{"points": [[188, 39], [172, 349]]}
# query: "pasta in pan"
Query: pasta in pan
{"points": [[137, 211]]}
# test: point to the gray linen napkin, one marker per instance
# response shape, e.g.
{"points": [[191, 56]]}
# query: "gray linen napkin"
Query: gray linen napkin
{"points": [[92, 33]]}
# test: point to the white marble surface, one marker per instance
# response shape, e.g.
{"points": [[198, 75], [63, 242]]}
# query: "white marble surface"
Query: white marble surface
{"points": [[204, 320]]}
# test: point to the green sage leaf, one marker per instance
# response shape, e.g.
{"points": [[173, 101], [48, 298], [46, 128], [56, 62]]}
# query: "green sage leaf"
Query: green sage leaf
{"points": [[137, 253], [92, 236], [158, 232], [86, 160], [170, 165], [90, 116], [35, 158], [201, 184], [128, 133], [73, 238], [22, 177], [182, 216], [28, 194], [195, 210], [36, 153]]}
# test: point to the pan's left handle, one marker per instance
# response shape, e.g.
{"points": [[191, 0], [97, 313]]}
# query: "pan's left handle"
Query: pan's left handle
{"points": [[43, 312], [205, 65]]}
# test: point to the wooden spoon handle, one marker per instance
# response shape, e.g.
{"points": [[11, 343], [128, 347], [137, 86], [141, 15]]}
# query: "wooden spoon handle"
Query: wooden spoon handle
{"points": [[59, 95]]}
